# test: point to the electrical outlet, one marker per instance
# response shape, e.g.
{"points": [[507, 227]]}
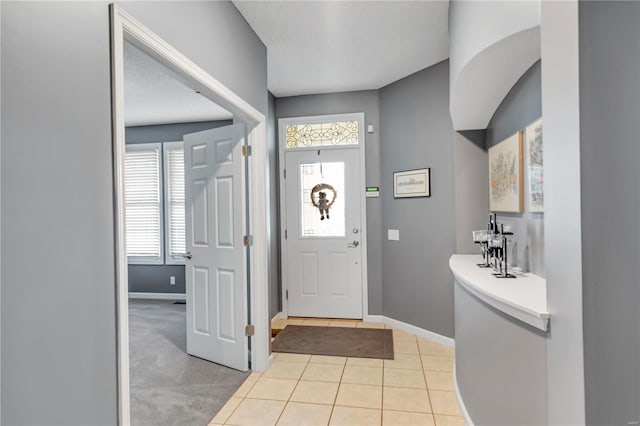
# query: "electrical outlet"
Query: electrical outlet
{"points": [[393, 234], [172, 280]]}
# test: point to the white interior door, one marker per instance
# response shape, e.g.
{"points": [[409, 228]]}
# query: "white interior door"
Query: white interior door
{"points": [[324, 256], [215, 274]]}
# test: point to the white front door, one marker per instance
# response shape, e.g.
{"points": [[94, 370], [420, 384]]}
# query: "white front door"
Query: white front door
{"points": [[324, 251], [215, 274]]}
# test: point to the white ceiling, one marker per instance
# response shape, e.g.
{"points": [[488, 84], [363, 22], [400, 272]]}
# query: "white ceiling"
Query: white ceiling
{"points": [[155, 95], [335, 46]]}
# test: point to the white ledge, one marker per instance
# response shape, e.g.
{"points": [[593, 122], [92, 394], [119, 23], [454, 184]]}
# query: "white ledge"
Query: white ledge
{"points": [[524, 297]]}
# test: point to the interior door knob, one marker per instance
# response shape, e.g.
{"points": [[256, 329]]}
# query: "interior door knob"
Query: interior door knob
{"points": [[187, 255], [354, 244]]}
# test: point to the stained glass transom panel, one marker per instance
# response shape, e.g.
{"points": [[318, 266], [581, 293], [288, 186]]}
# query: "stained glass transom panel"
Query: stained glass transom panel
{"points": [[322, 134]]}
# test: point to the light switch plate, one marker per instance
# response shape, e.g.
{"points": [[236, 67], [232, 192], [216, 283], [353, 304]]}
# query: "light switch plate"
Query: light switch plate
{"points": [[393, 234]]}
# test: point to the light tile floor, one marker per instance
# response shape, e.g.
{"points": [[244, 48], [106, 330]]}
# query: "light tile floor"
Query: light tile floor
{"points": [[416, 388]]}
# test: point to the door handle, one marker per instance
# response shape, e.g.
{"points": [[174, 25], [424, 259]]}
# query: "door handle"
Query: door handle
{"points": [[187, 255], [354, 244]]}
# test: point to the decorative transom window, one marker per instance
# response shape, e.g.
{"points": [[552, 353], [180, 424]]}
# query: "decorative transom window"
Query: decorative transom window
{"points": [[322, 134]]}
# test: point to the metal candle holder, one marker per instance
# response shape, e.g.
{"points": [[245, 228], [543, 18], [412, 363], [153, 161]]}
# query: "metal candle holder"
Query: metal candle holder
{"points": [[500, 245], [494, 247]]}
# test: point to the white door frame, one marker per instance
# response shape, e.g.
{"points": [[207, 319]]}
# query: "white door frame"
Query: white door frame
{"points": [[282, 123], [124, 27]]}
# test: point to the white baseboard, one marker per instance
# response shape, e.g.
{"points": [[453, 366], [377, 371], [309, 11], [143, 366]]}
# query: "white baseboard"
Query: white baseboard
{"points": [[439, 338], [463, 408], [158, 296], [379, 319], [278, 315]]}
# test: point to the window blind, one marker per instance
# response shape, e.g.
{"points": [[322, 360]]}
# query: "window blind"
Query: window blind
{"points": [[143, 203], [176, 229]]}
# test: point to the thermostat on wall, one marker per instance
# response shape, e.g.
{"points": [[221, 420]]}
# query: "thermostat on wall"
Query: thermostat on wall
{"points": [[372, 192]]}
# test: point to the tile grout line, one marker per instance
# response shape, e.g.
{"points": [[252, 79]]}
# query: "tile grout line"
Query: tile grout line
{"points": [[384, 368], [241, 399], [252, 386], [382, 402], [424, 376], [335, 399], [286, 403]]}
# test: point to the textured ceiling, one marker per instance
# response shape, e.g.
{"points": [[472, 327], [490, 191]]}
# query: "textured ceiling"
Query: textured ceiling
{"points": [[334, 46], [155, 95]]}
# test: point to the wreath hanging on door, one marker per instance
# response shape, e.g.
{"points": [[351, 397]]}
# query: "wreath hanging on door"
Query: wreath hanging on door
{"points": [[319, 198]]}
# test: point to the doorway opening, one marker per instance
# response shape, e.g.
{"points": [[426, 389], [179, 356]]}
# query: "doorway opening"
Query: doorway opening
{"points": [[209, 172], [178, 375], [323, 216]]}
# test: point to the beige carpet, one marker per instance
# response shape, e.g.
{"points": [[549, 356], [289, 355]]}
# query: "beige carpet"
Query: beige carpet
{"points": [[335, 341]]}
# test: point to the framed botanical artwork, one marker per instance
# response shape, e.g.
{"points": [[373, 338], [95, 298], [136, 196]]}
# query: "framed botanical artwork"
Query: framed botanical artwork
{"points": [[412, 183], [535, 181], [505, 176]]}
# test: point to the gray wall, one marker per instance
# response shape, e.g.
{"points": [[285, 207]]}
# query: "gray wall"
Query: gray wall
{"points": [[58, 317], [610, 154], [416, 132], [501, 365], [521, 107], [275, 287], [169, 132], [471, 188], [156, 278], [340, 103], [58, 307]]}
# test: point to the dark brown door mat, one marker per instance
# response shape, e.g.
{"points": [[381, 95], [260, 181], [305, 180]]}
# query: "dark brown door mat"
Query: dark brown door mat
{"points": [[335, 341]]}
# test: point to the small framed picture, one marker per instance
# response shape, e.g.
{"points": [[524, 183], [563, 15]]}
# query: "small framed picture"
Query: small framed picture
{"points": [[412, 183]]}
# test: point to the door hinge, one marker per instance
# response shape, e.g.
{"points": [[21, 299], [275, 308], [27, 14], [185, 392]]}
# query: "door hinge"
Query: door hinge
{"points": [[286, 294], [285, 234], [249, 330], [247, 240], [246, 150], [285, 173]]}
